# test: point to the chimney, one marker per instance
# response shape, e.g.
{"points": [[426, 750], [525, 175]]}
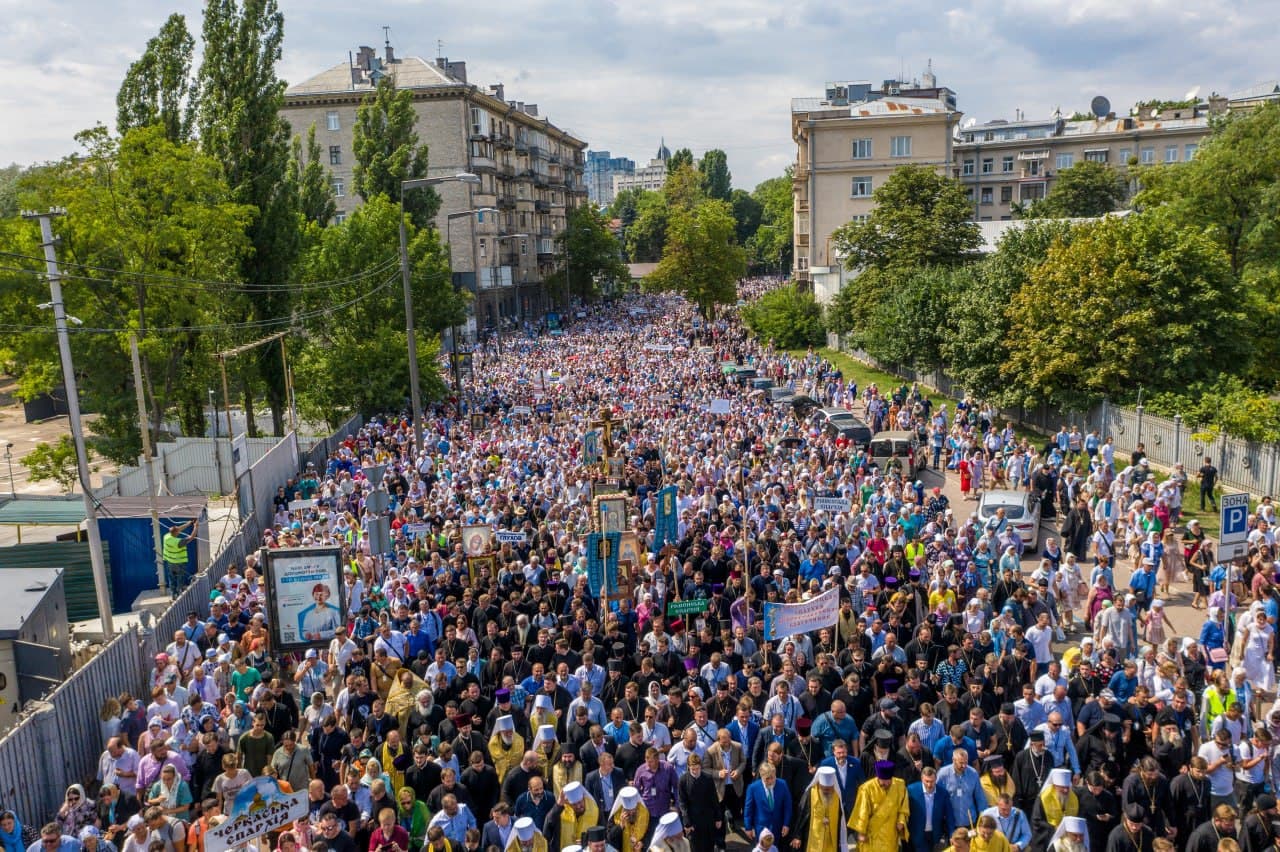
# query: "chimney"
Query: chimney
{"points": [[442, 62], [1145, 111], [456, 70], [364, 59], [531, 109], [1217, 104], [391, 54], [497, 90]]}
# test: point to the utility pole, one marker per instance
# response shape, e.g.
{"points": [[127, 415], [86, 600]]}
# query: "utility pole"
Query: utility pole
{"points": [[73, 411], [156, 535]]}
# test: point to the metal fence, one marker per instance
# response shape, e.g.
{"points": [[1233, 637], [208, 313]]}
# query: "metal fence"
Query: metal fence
{"points": [[1242, 465], [322, 449], [58, 741], [184, 466]]}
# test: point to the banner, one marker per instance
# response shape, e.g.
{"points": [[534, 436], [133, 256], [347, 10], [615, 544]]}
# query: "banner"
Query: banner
{"points": [[666, 528], [720, 406], [832, 504], [740, 613], [602, 562], [304, 586], [591, 452], [789, 619], [511, 537], [260, 807]]}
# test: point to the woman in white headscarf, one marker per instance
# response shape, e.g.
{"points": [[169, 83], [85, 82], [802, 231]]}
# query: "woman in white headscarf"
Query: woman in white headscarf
{"points": [[1258, 645]]}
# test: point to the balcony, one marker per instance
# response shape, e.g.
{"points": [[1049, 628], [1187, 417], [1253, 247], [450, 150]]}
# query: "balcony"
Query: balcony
{"points": [[521, 145], [507, 201], [506, 170], [542, 206], [502, 140], [554, 157], [538, 151], [541, 180], [483, 164]]}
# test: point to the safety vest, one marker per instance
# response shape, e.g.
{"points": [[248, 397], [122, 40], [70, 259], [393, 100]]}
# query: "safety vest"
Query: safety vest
{"points": [[1217, 704], [175, 551]]}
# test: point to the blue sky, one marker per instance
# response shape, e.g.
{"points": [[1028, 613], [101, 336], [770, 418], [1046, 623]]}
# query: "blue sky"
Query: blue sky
{"points": [[711, 73]]}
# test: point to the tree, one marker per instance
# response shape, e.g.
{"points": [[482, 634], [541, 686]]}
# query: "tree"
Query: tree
{"points": [[647, 235], [56, 462], [1128, 302], [771, 244], [316, 201], [787, 318], [682, 157], [9, 177], [717, 182], [683, 187], [979, 344], [921, 218], [1086, 189], [159, 88], [387, 152], [240, 124], [910, 323], [747, 213], [701, 259], [592, 255]]}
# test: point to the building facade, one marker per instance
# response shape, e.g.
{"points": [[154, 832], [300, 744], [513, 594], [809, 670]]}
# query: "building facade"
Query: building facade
{"points": [[531, 172], [1009, 164], [848, 144], [600, 170], [651, 177]]}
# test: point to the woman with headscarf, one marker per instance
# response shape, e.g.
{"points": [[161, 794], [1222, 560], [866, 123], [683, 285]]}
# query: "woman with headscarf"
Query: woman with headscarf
{"points": [[11, 832], [91, 840], [77, 811], [413, 816], [1258, 638]]}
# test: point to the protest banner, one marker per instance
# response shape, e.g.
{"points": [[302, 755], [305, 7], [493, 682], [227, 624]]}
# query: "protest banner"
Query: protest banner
{"points": [[832, 504], [511, 537], [789, 619], [260, 807]]}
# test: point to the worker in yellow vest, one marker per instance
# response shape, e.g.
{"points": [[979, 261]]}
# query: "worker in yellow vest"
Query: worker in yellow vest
{"points": [[175, 552]]}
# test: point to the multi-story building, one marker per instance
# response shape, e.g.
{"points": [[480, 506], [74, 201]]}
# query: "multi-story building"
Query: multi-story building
{"points": [[1009, 164], [847, 144], [599, 173], [651, 177], [531, 172]]}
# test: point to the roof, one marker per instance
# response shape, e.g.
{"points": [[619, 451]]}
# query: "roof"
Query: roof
{"points": [[64, 511], [640, 270], [1270, 88], [891, 106], [410, 72], [24, 588]]}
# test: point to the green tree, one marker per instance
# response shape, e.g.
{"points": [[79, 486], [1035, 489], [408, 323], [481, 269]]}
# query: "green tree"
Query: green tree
{"points": [[55, 462], [159, 87], [1084, 190], [240, 124], [909, 325], [717, 182], [593, 255], [683, 187], [747, 213], [1129, 302], [387, 152], [979, 344], [682, 157], [701, 259], [647, 235], [316, 200], [771, 244], [921, 218], [788, 318], [354, 357], [9, 177]]}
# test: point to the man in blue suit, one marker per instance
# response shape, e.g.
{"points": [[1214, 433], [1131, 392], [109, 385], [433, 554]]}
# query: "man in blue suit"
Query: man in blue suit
{"points": [[929, 818], [849, 775], [768, 806]]}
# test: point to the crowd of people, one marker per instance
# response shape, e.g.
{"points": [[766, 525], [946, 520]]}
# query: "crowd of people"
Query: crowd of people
{"points": [[956, 702]]}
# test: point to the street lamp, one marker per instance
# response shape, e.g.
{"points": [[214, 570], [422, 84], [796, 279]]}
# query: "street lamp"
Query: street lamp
{"points": [[453, 329], [415, 391], [8, 456]]}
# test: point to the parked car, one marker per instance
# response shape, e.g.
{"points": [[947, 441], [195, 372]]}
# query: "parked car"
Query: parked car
{"points": [[1020, 509], [781, 394], [839, 415], [853, 430], [905, 445], [761, 383], [744, 375]]}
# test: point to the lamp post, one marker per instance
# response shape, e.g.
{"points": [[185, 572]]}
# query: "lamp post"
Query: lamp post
{"points": [[8, 457], [453, 330], [415, 390]]}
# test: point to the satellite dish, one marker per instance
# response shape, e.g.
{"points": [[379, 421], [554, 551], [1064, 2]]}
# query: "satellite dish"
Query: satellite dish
{"points": [[1100, 107], [969, 122], [1192, 94]]}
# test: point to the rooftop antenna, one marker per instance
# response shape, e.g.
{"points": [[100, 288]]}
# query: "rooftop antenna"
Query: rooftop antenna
{"points": [[439, 47], [386, 36]]}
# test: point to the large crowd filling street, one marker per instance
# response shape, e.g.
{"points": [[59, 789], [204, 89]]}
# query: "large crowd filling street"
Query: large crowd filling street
{"points": [[981, 687]]}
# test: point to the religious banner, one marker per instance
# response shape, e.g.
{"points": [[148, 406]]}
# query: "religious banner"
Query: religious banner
{"points": [[591, 453], [832, 504], [789, 619], [259, 807], [666, 520], [740, 613], [602, 563], [475, 539], [611, 513]]}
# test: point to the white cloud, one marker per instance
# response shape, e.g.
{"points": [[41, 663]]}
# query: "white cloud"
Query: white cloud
{"points": [[711, 73]]}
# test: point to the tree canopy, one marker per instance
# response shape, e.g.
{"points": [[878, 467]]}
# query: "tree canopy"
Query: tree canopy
{"points": [[387, 152], [787, 317], [717, 182], [159, 87], [1086, 189], [701, 259], [592, 255]]}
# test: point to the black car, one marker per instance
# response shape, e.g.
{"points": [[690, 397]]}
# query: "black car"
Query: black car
{"points": [[856, 433]]}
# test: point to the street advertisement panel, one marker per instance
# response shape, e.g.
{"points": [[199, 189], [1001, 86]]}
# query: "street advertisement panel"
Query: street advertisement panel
{"points": [[304, 595]]}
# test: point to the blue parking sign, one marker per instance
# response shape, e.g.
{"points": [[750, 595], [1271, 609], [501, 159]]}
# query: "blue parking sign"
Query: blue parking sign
{"points": [[1235, 525]]}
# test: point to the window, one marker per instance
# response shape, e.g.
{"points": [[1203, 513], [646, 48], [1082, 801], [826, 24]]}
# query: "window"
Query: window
{"points": [[989, 136], [1006, 194], [1189, 150], [1126, 154], [478, 122], [987, 195], [968, 193], [339, 189], [900, 146], [1148, 155], [1033, 167], [862, 217], [335, 155], [1066, 161], [483, 246], [862, 187], [988, 165], [1006, 164], [1096, 156], [331, 120], [524, 247], [862, 149], [1171, 153], [339, 218], [967, 168]]}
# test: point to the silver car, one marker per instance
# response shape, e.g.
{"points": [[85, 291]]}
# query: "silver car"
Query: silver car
{"points": [[1021, 510]]}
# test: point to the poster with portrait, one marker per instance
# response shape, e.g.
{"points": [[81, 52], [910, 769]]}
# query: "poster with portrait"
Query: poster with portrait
{"points": [[475, 539], [478, 422], [617, 467], [611, 513], [482, 567], [629, 548], [601, 488], [304, 595]]}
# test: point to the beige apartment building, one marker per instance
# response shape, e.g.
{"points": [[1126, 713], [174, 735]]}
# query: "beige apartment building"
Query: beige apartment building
{"points": [[530, 172], [1007, 163], [846, 147]]}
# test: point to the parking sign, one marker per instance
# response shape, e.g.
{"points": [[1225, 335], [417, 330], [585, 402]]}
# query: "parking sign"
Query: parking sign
{"points": [[1233, 541]]}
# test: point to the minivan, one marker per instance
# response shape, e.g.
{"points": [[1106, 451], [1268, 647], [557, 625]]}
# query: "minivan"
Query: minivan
{"points": [[905, 445]]}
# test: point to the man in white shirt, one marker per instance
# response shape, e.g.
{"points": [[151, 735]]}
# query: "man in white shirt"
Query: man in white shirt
{"points": [[1040, 635], [1223, 759], [1051, 679]]}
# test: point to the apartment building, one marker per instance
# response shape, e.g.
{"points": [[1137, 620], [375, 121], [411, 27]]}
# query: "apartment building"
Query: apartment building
{"points": [[531, 171], [1005, 164], [651, 177], [599, 173], [848, 143]]}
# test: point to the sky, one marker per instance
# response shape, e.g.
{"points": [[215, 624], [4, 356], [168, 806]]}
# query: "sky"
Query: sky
{"points": [[704, 74]]}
